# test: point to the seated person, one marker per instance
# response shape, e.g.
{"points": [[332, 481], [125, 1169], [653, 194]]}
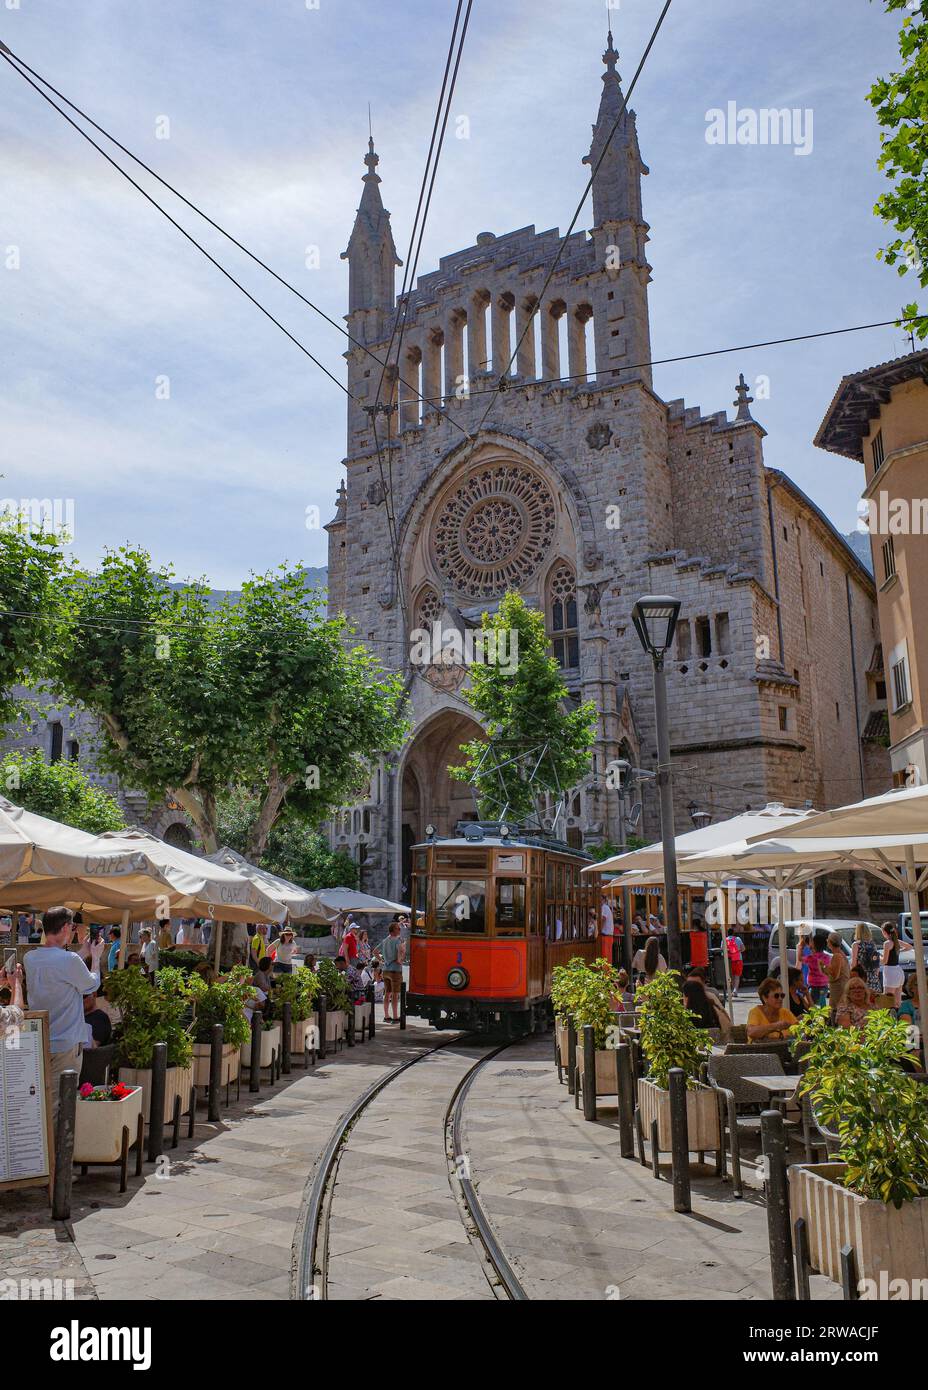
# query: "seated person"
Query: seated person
{"points": [[769, 1021], [852, 1013], [908, 1008], [98, 1022], [262, 976], [800, 1000], [357, 985]]}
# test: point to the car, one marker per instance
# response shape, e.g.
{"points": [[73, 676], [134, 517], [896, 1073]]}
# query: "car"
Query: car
{"points": [[845, 927], [907, 941]]}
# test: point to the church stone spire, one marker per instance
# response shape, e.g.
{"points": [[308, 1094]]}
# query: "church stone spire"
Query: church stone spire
{"points": [[617, 181], [371, 253]]}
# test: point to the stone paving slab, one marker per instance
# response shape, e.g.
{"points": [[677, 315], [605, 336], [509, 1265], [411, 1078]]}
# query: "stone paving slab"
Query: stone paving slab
{"points": [[586, 1223]]}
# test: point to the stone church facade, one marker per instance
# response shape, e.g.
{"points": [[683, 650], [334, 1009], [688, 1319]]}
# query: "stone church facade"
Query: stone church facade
{"points": [[583, 489]]}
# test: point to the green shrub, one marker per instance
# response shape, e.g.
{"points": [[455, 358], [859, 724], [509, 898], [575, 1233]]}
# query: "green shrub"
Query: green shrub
{"points": [[299, 989], [669, 1034], [175, 957], [584, 992], [333, 984], [224, 1002], [856, 1083], [153, 1013]]}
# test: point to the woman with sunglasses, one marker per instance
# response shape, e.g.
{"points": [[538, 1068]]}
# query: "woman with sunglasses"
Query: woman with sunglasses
{"points": [[768, 1020]]}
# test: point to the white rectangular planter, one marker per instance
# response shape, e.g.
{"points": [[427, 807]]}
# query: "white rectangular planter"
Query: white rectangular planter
{"points": [[303, 1033], [362, 1018], [270, 1043], [884, 1240], [201, 1059], [99, 1124], [336, 1023], [702, 1115], [178, 1082]]}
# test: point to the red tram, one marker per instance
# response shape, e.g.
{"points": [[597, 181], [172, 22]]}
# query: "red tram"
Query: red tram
{"points": [[493, 913]]}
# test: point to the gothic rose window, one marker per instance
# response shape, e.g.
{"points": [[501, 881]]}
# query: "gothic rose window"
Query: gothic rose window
{"points": [[562, 616], [493, 531], [428, 608]]}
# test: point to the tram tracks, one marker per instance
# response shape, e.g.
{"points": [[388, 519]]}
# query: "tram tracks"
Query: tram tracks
{"points": [[313, 1255]]}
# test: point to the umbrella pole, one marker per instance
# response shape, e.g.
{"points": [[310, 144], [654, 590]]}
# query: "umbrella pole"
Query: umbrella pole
{"points": [[781, 941], [217, 928], [123, 941], [911, 893], [726, 963]]}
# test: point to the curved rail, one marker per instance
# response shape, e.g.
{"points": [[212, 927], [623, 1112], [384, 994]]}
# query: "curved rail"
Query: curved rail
{"points": [[509, 1280]]}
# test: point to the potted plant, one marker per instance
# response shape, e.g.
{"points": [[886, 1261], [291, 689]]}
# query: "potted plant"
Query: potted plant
{"points": [[299, 989], [583, 992], [873, 1195], [670, 1038], [153, 1013], [103, 1112], [223, 1002], [334, 986]]}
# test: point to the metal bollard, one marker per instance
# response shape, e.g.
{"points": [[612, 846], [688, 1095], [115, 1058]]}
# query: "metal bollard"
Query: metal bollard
{"points": [[215, 1072], [778, 1227], [403, 1005], [571, 1058], [64, 1146], [286, 1029], [159, 1078], [679, 1140], [371, 1001], [625, 1086], [589, 1072], [254, 1061], [322, 1009], [557, 1057]]}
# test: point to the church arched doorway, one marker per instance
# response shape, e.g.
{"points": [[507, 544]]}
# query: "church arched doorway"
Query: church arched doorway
{"points": [[430, 796]]}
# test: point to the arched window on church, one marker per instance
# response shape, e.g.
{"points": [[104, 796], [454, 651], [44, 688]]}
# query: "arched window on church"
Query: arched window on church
{"points": [[562, 616], [428, 607]]}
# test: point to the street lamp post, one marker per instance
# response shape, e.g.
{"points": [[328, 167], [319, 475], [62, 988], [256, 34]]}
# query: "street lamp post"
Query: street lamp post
{"points": [[655, 619]]}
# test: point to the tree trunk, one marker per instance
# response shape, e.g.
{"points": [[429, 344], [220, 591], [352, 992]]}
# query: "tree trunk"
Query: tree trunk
{"points": [[267, 816], [204, 821]]}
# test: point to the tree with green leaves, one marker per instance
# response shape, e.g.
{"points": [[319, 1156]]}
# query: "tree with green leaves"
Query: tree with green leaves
{"points": [[61, 791], [901, 103], [30, 564], [535, 741], [262, 692], [294, 850]]}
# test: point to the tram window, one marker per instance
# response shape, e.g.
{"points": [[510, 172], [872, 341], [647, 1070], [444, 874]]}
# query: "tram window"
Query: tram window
{"points": [[460, 906], [422, 860], [510, 863], [549, 881], [510, 907], [420, 902], [462, 859]]}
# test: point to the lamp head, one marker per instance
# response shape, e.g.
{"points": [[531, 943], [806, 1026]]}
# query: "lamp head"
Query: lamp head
{"points": [[655, 618]]}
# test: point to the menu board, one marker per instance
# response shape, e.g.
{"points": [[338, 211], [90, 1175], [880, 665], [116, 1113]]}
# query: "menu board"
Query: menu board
{"points": [[25, 1111]]}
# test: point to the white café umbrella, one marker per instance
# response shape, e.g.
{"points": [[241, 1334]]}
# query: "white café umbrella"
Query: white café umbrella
{"points": [[44, 863], [301, 904], [334, 901], [887, 836], [772, 818]]}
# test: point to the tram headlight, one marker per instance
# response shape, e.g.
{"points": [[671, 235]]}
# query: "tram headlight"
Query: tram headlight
{"points": [[458, 978]]}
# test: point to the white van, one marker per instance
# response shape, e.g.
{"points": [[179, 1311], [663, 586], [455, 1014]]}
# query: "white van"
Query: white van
{"points": [[808, 928]]}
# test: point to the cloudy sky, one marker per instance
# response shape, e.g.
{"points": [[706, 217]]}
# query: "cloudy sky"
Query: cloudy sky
{"points": [[266, 112]]}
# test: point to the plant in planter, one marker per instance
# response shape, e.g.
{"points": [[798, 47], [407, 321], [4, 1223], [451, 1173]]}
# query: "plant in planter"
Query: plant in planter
{"points": [[873, 1195], [670, 1038], [333, 985], [583, 992], [224, 1002], [860, 1091], [155, 1013], [180, 958], [299, 990]]}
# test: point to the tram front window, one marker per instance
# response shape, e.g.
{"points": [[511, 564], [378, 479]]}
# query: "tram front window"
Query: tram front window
{"points": [[460, 906]]}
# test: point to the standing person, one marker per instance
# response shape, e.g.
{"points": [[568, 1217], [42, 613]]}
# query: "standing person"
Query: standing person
{"points": [[816, 959], [893, 974], [165, 939], [283, 949], [364, 948], [57, 980], [735, 947], [112, 955], [149, 952], [866, 954], [838, 971], [394, 954], [11, 1015], [258, 946], [348, 947], [606, 930]]}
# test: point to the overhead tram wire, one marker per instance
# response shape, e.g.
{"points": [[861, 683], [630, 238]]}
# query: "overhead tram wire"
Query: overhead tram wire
{"points": [[429, 174], [502, 384], [183, 231], [20, 64]]}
